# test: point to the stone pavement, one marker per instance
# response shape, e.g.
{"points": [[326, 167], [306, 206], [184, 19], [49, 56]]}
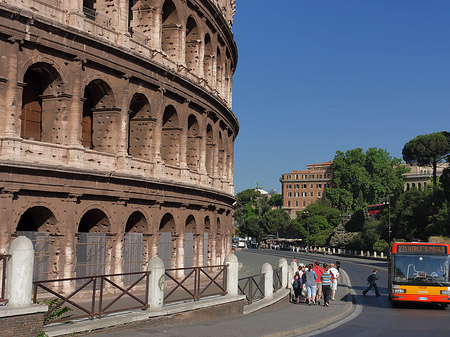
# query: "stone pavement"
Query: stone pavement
{"points": [[282, 319]]}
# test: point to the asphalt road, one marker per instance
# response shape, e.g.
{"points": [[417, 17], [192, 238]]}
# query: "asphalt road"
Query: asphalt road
{"points": [[375, 316]]}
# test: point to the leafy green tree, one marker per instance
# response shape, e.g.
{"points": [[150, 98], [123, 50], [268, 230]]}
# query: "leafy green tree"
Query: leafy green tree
{"points": [[340, 237], [381, 246], [276, 200], [276, 222], [428, 150], [369, 177], [339, 198]]}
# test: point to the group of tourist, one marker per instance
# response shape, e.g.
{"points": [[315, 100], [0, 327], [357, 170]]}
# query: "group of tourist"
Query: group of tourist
{"points": [[314, 284]]}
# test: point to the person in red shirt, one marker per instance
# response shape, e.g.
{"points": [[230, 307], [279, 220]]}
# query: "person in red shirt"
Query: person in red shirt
{"points": [[318, 271]]}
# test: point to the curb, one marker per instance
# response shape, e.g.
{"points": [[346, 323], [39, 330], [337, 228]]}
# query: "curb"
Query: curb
{"points": [[349, 309]]}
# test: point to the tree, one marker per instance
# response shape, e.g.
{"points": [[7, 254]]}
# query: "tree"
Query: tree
{"points": [[369, 177], [428, 150], [339, 198], [275, 200]]}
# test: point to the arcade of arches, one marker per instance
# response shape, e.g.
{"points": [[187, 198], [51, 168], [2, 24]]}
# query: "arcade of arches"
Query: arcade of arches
{"points": [[119, 138]]}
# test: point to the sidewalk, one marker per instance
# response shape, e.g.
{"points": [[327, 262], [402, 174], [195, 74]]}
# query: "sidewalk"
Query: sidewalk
{"points": [[282, 319]]}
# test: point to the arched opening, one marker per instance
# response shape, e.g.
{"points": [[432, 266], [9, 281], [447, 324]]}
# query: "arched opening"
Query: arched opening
{"points": [[208, 60], [209, 149], [193, 144], [41, 104], [170, 139], [37, 223], [166, 249], [140, 128], [190, 243], [192, 45], [134, 246], [171, 30], [207, 250], [92, 244], [99, 117]]}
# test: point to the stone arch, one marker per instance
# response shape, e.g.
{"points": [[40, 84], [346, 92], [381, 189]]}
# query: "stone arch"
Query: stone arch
{"points": [[98, 120], [170, 140], [192, 50], [94, 221], [140, 127], [193, 144], [190, 225], [209, 149], [208, 59], [136, 223], [41, 116], [167, 223], [171, 30], [37, 219]]}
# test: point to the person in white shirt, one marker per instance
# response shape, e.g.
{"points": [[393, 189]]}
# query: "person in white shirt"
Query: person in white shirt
{"points": [[334, 276]]}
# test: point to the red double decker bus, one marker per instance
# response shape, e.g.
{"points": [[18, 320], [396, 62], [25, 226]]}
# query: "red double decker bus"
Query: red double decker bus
{"points": [[419, 272], [373, 210]]}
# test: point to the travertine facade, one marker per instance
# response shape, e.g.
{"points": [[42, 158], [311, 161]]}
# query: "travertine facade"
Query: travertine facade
{"points": [[116, 119]]}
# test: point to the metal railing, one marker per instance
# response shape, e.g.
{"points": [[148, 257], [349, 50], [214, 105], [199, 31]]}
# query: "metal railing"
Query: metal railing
{"points": [[196, 283], [83, 306], [3, 261], [98, 18], [252, 287], [277, 279]]}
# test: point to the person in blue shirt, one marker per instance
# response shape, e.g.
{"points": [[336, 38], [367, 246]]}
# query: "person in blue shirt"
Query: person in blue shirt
{"points": [[326, 285]]}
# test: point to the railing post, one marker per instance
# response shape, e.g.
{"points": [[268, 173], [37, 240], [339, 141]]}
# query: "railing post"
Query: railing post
{"points": [[292, 269], [232, 275], [267, 271], [156, 283], [20, 272], [284, 272]]}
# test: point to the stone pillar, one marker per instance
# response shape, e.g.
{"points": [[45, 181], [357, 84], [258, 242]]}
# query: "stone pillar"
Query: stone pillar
{"points": [[382, 255], [159, 108], [267, 271], [12, 104], [156, 283], [232, 275], [157, 29], [292, 269], [284, 272], [76, 105], [122, 142], [20, 272], [183, 120]]}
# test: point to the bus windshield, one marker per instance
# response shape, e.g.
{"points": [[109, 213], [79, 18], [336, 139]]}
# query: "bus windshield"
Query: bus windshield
{"points": [[423, 268]]}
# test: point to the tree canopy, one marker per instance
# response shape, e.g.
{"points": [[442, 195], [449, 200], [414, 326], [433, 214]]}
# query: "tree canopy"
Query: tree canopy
{"points": [[428, 150]]}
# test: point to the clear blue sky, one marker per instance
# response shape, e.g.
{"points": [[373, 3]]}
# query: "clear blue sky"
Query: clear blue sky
{"points": [[317, 76]]}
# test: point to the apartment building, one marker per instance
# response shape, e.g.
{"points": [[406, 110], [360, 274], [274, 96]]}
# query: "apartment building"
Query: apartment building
{"points": [[302, 188]]}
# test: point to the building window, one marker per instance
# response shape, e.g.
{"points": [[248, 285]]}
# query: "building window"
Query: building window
{"points": [[304, 203], [311, 176], [296, 176], [289, 176], [289, 186], [304, 176], [319, 185], [296, 194], [289, 203], [303, 185], [303, 194], [312, 185], [312, 194], [318, 194], [296, 203], [296, 186], [327, 185], [289, 194], [319, 176]]}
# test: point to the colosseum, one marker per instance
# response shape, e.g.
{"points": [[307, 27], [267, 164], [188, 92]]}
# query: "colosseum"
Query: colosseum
{"points": [[117, 132]]}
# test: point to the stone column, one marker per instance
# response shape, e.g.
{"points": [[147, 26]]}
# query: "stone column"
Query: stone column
{"points": [[284, 272], [122, 142], [202, 157], [232, 275], [159, 106], [156, 283], [183, 119], [12, 103], [20, 272], [267, 271], [157, 29]]}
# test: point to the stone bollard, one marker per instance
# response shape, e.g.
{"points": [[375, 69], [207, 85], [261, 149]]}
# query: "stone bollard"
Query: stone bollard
{"points": [[292, 269], [267, 271], [368, 254], [232, 275], [362, 253], [20, 272], [374, 254], [381, 255], [284, 272], [156, 283]]}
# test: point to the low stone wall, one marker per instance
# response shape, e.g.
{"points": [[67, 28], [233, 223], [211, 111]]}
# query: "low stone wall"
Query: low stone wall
{"points": [[16, 323]]}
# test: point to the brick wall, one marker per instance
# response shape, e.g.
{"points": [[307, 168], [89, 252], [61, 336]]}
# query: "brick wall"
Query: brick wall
{"points": [[21, 325]]}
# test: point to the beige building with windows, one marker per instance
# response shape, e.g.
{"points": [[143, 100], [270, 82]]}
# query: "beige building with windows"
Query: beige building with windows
{"points": [[117, 133], [302, 188], [419, 177]]}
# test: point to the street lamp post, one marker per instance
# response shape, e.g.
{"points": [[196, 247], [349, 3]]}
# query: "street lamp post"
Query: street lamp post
{"points": [[306, 213]]}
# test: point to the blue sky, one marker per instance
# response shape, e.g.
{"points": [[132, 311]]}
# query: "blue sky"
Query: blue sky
{"points": [[317, 76]]}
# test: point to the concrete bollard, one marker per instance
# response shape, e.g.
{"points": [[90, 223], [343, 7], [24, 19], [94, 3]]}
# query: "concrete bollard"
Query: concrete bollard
{"points": [[381, 255], [374, 254], [292, 269], [284, 272], [156, 283], [368, 254], [232, 275], [20, 272], [267, 271]]}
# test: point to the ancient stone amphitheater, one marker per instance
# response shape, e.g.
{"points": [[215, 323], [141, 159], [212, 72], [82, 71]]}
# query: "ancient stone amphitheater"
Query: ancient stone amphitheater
{"points": [[117, 132]]}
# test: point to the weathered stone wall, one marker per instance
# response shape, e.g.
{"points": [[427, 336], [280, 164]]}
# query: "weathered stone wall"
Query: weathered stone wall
{"points": [[106, 132]]}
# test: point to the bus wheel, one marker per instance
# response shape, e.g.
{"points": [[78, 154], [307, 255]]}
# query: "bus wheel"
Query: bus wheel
{"points": [[444, 305]]}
